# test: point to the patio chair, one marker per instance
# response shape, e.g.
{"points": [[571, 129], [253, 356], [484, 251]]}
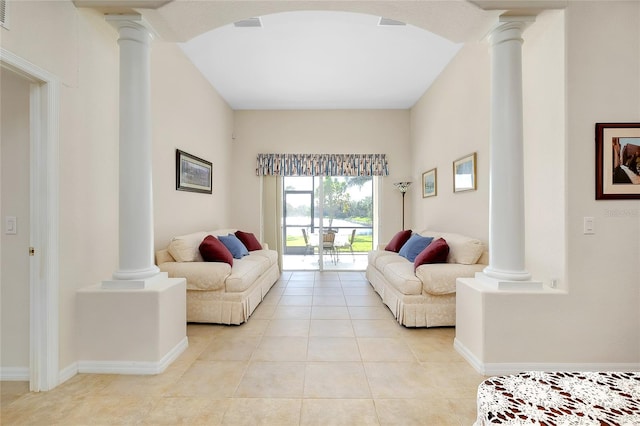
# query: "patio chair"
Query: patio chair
{"points": [[349, 243], [309, 248], [329, 247]]}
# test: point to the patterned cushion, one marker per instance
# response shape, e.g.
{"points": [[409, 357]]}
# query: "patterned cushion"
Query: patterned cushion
{"points": [[463, 250], [401, 276], [245, 272], [185, 248]]}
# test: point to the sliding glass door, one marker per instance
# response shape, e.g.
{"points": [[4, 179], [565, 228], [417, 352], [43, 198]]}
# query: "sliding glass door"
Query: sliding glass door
{"points": [[298, 214], [327, 222]]}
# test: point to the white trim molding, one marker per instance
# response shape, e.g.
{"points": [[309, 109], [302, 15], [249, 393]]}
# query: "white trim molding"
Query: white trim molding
{"points": [[504, 368], [68, 372], [133, 367], [14, 374], [44, 196]]}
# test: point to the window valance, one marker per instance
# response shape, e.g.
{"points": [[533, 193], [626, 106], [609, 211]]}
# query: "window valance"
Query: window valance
{"points": [[322, 165]]}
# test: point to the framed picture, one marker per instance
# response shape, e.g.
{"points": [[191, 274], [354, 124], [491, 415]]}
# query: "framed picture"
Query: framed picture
{"points": [[193, 174], [617, 161], [464, 173], [430, 183]]}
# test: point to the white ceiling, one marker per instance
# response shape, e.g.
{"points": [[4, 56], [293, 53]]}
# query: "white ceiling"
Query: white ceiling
{"points": [[321, 53], [320, 60]]}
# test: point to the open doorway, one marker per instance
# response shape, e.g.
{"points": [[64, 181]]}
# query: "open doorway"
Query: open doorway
{"points": [[14, 239], [42, 223]]}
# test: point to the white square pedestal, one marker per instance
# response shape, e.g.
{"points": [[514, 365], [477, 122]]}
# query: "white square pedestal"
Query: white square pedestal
{"points": [[132, 331]]}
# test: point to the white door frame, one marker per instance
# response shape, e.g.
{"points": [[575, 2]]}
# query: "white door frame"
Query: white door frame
{"points": [[44, 101]]}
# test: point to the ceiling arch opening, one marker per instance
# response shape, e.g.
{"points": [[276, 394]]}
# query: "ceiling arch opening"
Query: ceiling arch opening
{"points": [[320, 60]]}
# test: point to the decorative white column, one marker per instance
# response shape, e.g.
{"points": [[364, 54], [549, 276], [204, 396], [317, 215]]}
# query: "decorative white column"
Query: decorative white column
{"points": [[135, 323], [506, 196], [136, 261]]}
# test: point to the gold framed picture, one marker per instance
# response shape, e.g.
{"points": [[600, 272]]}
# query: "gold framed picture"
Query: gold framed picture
{"points": [[430, 183], [464, 173]]}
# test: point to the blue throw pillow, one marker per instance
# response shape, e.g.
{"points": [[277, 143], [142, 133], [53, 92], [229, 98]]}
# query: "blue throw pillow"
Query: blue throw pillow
{"points": [[234, 245], [414, 246]]}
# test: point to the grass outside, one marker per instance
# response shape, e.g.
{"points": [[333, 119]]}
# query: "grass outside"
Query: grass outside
{"points": [[361, 243]]}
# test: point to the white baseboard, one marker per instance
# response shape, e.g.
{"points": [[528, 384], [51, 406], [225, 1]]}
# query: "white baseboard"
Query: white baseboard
{"points": [[133, 367], [468, 356], [14, 374], [68, 372], [504, 368], [173, 354], [500, 369], [21, 374]]}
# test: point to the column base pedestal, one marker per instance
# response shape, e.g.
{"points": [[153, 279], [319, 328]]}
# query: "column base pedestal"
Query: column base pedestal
{"points": [[508, 285], [489, 319], [135, 283], [132, 331]]}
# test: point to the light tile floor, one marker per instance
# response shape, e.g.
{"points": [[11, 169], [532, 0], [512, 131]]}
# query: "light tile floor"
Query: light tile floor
{"points": [[321, 349], [344, 262]]}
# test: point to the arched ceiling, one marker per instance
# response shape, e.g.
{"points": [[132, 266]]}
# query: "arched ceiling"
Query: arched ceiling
{"points": [[455, 20], [312, 54], [320, 60]]}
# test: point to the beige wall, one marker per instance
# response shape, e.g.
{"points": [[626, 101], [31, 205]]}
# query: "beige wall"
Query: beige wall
{"points": [[331, 132], [595, 320], [603, 85], [88, 169], [14, 279], [544, 106], [81, 49], [450, 121], [188, 114]]}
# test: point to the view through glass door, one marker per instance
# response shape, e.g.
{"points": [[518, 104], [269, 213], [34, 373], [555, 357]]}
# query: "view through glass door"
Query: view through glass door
{"points": [[327, 222]]}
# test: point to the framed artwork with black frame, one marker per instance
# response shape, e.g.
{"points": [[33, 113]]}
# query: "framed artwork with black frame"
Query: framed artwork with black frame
{"points": [[617, 161], [193, 174]]}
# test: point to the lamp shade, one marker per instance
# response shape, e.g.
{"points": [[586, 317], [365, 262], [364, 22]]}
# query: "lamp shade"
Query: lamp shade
{"points": [[402, 186]]}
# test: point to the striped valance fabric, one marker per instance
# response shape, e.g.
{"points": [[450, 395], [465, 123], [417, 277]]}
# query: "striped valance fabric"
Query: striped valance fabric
{"points": [[322, 165]]}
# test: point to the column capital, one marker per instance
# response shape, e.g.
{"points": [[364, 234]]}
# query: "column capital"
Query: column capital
{"points": [[510, 28], [132, 27]]}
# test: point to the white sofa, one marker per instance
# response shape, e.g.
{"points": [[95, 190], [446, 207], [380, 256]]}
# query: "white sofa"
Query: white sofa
{"points": [[216, 291], [425, 297]]}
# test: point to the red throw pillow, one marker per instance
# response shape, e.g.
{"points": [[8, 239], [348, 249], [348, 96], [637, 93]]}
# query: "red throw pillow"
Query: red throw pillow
{"points": [[398, 241], [249, 240], [436, 252], [212, 250]]}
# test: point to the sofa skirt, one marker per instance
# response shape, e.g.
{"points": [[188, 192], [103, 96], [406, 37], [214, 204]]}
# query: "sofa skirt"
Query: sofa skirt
{"points": [[220, 307], [424, 310]]}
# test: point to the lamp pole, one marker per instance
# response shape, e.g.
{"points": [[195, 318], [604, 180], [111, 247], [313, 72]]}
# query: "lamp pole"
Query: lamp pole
{"points": [[402, 187]]}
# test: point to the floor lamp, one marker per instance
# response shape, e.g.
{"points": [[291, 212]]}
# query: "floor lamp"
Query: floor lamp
{"points": [[402, 187]]}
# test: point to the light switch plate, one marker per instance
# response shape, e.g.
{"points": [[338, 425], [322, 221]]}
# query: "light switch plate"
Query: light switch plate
{"points": [[589, 226], [11, 225]]}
